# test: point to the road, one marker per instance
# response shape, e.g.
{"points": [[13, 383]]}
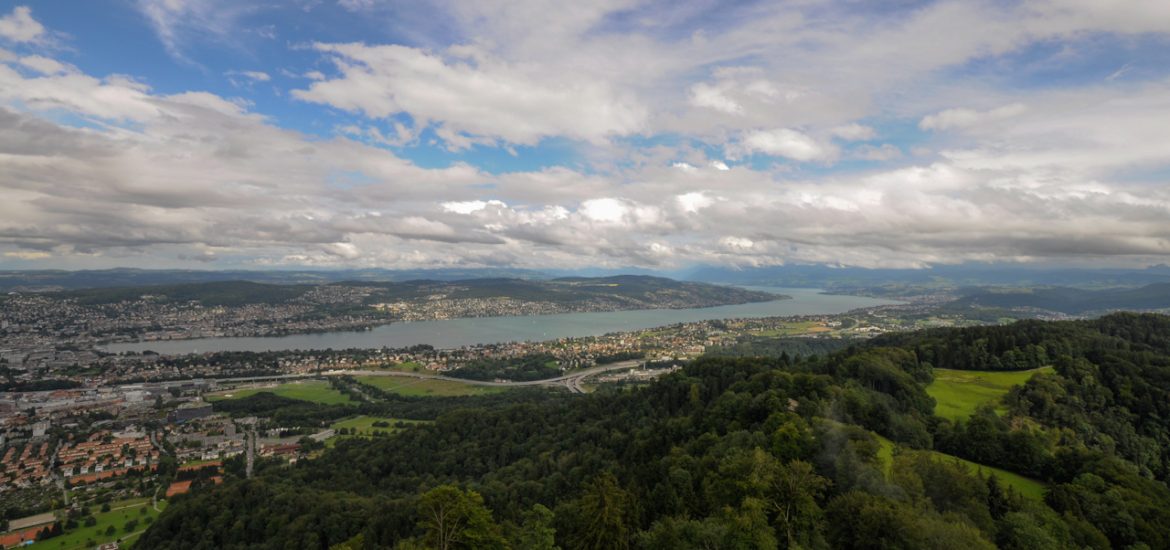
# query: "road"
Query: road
{"points": [[571, 381]]}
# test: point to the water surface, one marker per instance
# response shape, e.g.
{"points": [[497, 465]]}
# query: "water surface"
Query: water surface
{"points": [[453, 333]]}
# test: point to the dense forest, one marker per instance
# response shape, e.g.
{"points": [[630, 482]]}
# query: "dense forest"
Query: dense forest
{"points": [[827, 451]]}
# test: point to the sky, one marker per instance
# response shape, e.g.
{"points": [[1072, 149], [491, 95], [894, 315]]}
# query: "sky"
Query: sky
{"points": [[214, 134]]}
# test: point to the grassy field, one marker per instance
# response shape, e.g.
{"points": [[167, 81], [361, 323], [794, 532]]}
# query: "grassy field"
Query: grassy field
{"points": [[426, 387], [119, 514], [1026, 486], [793, 329], [317, 391], [959, 392], [364, 425], [406, 366]]}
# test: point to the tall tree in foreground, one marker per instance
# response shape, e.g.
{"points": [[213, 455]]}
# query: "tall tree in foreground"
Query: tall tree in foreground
{"points": [[453, 518]]}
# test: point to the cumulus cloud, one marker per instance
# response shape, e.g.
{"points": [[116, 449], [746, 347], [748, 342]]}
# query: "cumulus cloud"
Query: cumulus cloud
{"points": [[19, 26], [853, 132], [952, 119], [694, 201], [713, 97], [471, 96], [44, 65], [102, 169], [787, 143]]}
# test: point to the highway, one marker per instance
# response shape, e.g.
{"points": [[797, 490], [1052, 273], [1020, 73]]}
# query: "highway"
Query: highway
{"points": [[570, 381]]}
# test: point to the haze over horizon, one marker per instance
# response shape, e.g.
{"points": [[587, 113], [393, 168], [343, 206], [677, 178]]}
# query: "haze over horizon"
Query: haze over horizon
{"points": [[212, 134]]}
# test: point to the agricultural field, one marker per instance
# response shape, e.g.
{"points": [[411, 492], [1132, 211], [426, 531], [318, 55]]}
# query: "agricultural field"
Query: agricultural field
{"points": [[316, 391], [426, 387], [959, 392], [119, 515], [1025, 486]]}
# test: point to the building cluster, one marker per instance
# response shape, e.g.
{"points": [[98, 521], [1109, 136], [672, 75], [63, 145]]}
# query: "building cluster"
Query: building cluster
{"points": [[103, 455], [31, 323], [26, 465]]}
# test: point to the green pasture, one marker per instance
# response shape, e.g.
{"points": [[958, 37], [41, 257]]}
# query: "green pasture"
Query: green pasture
{"points": [[426, 387], [1026, 486], [316, 391], [958, 393], [119, 514], [364, 425]]}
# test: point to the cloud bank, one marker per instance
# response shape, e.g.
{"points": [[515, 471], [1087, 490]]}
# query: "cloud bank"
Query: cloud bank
{"points": [[755, 136]]}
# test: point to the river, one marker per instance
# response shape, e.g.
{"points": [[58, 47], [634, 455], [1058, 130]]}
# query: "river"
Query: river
{"points": [[453, 333]]}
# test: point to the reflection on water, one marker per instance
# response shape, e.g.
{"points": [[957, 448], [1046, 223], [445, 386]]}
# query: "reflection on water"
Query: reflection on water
{"points": [[465, 332]]}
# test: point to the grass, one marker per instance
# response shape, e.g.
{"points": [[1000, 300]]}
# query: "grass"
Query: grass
{"points": [[316, 391], [959, 392], [1025, 486], [119, 514], [364, 425], [197, 463], [793, 329], [426, 387], [405, 366]]}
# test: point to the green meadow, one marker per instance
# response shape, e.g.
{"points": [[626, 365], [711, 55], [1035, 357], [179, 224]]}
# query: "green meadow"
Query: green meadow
{"points": [[426, 387], [1026, 486], [316, 391], [959, 392], [364, 425], [120, 513]]}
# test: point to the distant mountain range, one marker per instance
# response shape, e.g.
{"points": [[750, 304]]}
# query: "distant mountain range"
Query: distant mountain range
{"points": [[799, 276], [946, 276], [125, 277], [620, 292], [1072, 301]]}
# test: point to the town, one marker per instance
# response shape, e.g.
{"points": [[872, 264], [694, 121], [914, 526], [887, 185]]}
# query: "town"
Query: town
{"points": [[82, 428]]}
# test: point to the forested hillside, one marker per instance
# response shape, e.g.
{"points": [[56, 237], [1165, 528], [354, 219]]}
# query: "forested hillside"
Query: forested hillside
{"points": [[769, 452], [1073, 301], [624, 292]]}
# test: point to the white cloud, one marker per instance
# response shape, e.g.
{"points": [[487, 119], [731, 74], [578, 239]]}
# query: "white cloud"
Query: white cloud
{"points": [[1079, 173], [471, 96], [467, 207], [788, 143], [694, 201], [19, 26], [712, 97], [44, 65], [605, 210], [737, 244], [255, 76], [853, 132], [952, 119], [176, 22]]}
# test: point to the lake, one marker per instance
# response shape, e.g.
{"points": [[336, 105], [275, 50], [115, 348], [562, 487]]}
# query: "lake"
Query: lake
{"points": [[454, 333]]}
